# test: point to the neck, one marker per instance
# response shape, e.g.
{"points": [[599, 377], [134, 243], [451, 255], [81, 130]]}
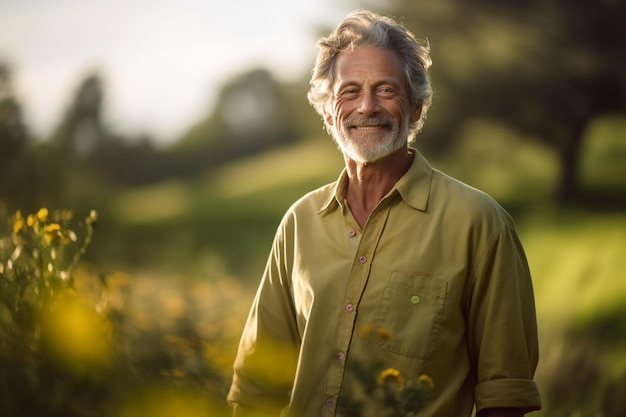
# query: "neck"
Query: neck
{"points": [[368, 183]]}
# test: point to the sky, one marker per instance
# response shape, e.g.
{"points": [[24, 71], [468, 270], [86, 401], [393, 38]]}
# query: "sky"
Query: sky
{"points": [[162, 61]]}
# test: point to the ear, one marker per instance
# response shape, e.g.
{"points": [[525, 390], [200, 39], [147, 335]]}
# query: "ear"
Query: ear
{"points": [[416, 113], [328, 117]]}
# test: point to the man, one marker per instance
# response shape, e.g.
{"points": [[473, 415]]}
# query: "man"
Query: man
{"points": [[394, 245]]}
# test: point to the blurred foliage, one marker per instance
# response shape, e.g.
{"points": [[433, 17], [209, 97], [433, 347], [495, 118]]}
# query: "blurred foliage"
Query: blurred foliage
{"points": [[254, 112], [577, 261], [49, 340], [82, 128], [546, 69], [13, 137], [12, 128], [76, 343]]}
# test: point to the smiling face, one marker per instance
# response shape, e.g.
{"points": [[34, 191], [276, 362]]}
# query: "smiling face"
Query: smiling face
{"points": [[370, 112]]}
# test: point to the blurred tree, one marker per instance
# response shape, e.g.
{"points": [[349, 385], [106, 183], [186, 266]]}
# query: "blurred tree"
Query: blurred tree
{"points": [[13, 135], [13, 140], [89, 145], [129, 160], [254, 112], [62, 167], [82, 128], [546, 68]]}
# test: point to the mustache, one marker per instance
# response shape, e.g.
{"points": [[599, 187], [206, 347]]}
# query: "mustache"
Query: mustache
{"points": [[378, 120]]}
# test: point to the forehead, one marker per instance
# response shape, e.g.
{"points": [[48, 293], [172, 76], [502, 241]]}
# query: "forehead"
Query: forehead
{"points": [[368, 64]]}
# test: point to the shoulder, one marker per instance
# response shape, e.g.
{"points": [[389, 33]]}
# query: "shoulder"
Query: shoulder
{"points": [[310, 204], [465, 203]]}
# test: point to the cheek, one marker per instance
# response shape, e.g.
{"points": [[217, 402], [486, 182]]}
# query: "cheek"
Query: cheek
{"points": [[399, 111], [333, 114], [342, 110]]}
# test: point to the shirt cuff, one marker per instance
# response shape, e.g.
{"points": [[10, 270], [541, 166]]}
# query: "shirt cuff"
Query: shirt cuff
{"points": [[508, 393]]}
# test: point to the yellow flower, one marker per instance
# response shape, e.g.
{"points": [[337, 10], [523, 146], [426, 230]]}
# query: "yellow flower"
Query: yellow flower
{"points": [[52, 227], [31, 220], [18, 222], [426, 380], [42, 214], [52, 230], [391, 376]]}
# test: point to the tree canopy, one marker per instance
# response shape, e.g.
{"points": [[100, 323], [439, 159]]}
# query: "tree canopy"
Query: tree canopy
{"points": [[545, 68]]}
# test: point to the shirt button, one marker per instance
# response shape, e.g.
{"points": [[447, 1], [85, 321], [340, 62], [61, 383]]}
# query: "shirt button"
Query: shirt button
{"points": [[352, 233], [362, 259], [329, 403], [415, 299], [350, 308], [341, 356]]}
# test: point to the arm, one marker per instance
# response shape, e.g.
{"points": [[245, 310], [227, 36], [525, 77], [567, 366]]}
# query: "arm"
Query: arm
{"points": [[268, 351], [502, 327]]}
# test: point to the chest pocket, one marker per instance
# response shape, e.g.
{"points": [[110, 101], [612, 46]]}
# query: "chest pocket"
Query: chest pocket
{"points": [[411, 309]]}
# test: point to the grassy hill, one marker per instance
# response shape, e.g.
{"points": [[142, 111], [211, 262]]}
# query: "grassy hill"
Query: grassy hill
{"points": [[229, 214]]}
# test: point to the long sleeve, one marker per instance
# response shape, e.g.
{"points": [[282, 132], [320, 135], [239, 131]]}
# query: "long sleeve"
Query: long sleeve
{"points": [[267, 357], [502, 325]]}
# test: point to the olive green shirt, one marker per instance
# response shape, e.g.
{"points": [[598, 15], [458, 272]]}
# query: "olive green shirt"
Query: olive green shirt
{"points": [[437, 275]]}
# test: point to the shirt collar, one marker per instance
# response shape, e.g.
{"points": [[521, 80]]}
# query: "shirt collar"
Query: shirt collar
{"points": [[413, 187], [336, 198]]}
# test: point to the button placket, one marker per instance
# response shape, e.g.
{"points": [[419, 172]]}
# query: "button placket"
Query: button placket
{"points": [[363, 243]]}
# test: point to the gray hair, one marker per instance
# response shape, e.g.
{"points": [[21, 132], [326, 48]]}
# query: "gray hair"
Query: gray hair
{"points": [[361, 28]]}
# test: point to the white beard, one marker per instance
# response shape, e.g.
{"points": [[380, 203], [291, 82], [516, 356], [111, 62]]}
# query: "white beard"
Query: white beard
{"points": [[373, 147]]}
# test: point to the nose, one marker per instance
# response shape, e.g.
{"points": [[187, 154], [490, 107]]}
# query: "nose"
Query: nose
{"points": [[368, 103]]}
